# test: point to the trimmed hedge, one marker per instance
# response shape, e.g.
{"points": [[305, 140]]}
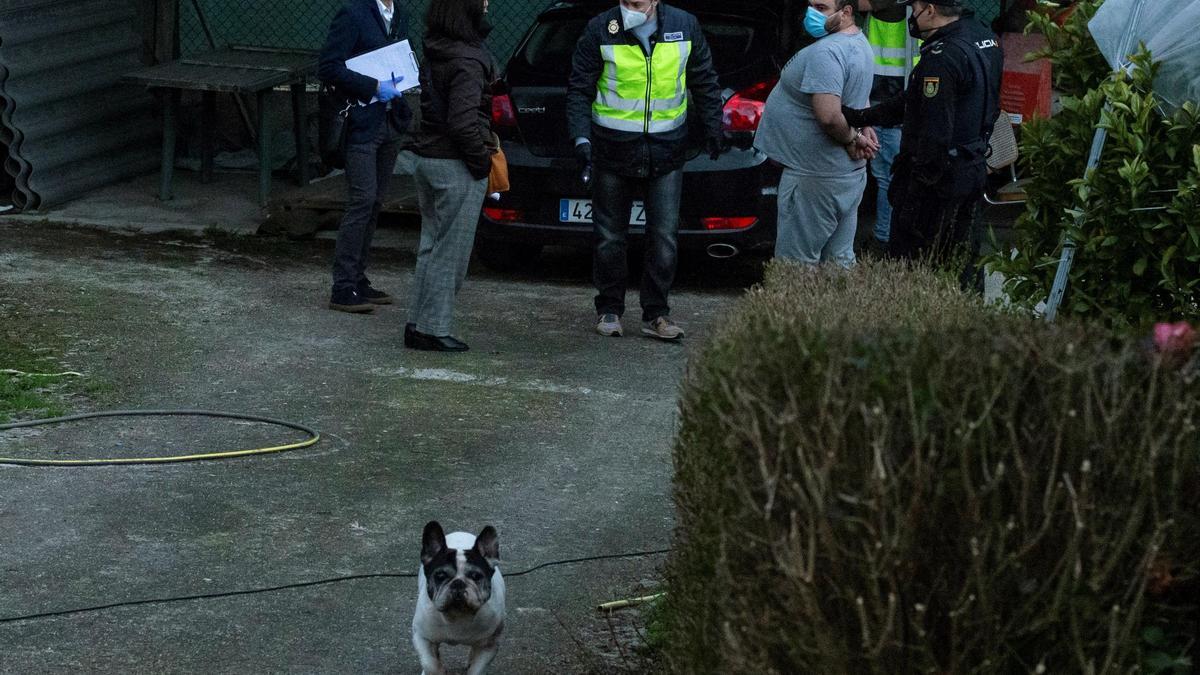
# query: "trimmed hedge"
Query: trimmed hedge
{"points": [[877, 474]]}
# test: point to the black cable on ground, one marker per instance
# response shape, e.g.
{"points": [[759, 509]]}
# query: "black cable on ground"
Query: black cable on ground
{"points": [[313, 439], [309, 584]]}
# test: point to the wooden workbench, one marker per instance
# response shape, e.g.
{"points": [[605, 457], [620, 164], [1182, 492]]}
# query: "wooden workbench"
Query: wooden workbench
{"points": [[237, 70]]}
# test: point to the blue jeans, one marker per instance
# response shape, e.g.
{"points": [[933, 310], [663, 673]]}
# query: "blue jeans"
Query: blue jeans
{"points": [[612, 201], [881, 169]]}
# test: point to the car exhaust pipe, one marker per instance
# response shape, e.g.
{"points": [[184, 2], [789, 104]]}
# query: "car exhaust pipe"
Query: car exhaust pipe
{"points": [[722, 251]]}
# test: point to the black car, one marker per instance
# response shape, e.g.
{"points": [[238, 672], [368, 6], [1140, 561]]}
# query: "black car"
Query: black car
{"points": [[728, 204]]}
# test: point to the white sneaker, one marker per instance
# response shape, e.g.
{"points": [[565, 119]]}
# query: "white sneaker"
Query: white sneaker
{"points": [[610, 326], [662, 328]]}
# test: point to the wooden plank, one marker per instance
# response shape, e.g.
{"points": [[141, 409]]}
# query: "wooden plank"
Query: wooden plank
{"points": [[166, 30], [329, 194], [228, 70], [300, 212], [206, 78], [147, 20], [300, 131], [264, 148]]}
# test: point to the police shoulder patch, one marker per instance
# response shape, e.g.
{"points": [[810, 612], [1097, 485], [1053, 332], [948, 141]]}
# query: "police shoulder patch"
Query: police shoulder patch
{"points": [[614, 27], [932, 84], [673, 37]]}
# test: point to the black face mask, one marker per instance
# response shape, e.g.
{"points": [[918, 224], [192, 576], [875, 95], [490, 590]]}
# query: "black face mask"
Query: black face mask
{"points": [[915, 30]]}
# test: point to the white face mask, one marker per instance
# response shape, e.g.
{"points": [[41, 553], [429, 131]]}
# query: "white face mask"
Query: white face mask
{"points": [[632, 18]]}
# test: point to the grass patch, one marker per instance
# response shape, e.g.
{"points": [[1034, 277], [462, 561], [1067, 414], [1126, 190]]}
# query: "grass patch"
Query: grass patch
{"points": [[28, 395]]}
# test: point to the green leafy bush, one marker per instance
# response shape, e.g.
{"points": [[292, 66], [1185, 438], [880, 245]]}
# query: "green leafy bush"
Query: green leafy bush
{"points": [[876, 474], [1078, 66], [1138, 256]]}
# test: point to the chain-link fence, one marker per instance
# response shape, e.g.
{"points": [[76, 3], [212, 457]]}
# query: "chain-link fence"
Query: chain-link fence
{"points": [[985, 10], [303, 23]]}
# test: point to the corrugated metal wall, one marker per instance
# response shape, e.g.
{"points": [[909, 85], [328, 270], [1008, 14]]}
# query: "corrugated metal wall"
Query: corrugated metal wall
{"points": [[65, 123]]}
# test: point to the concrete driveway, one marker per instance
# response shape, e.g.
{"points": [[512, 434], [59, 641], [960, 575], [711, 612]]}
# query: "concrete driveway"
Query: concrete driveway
{"points": [[559, 438]]}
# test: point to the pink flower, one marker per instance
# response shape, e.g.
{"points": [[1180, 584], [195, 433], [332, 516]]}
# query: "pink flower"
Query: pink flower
{"points": [[1174, 338]]}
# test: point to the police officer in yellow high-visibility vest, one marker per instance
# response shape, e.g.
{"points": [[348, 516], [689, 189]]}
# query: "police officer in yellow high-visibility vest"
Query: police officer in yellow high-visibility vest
{"points": [[896, 52], [627, 111]]}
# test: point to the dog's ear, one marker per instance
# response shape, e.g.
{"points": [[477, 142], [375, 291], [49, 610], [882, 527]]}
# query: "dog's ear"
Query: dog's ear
{"points": [[487, 544], [433, 542]]}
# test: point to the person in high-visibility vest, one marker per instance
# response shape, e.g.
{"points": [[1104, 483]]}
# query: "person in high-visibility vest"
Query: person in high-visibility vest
{"points": [[896, 52], [627, 97]]}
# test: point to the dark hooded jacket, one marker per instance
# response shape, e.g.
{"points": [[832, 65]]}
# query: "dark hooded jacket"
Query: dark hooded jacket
{"points": [[456, 103]]}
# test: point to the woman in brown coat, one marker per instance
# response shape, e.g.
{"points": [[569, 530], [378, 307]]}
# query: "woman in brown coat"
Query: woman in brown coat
{"points": [[454, 153]]}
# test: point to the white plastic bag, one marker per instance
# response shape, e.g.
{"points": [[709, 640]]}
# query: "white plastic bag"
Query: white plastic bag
{"points": [[1170, 29]]}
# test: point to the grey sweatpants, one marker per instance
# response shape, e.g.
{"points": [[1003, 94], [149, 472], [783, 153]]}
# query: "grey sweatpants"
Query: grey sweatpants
{"points": [[818, 216], [450, 199]]}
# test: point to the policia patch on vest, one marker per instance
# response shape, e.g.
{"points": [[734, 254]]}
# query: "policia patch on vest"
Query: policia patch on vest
{"points": [[932, 84], [614, 27]]}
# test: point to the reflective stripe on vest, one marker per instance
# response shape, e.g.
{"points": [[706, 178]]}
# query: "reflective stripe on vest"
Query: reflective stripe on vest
{"points": [[889, 41], [639, 94]]}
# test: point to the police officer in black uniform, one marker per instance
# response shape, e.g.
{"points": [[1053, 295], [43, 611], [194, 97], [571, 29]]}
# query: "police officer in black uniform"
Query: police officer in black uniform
{"points": [[948, 111]]}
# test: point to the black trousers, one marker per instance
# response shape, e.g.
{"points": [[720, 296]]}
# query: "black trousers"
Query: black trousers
{"points": [[932, 227], [369, 167], [929, 226]]}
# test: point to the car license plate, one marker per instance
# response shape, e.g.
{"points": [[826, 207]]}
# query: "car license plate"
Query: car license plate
{"points": [[580, 211]]}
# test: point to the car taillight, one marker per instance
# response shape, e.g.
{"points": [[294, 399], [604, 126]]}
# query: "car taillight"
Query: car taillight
{"points": [[502, 215], [502, 112], [744, 110], [727, 223]]}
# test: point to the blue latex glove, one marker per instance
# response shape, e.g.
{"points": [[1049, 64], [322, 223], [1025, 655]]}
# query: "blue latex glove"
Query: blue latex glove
{"points": [[388, 90]]}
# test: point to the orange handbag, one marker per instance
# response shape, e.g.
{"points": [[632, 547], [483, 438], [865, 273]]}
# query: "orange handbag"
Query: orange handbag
{"points": [[498, 177]]}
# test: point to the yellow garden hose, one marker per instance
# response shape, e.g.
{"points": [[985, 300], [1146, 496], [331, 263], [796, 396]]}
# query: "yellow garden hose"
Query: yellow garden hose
{"points": [[314, 438]]}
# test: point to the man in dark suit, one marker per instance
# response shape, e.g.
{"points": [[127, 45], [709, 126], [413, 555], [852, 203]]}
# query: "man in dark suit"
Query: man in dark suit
{"points": [[377, 119]]}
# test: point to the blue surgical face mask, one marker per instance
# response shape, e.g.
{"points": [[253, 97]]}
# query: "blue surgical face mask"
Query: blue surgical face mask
{"points": [[632, 18], [814, 23]]}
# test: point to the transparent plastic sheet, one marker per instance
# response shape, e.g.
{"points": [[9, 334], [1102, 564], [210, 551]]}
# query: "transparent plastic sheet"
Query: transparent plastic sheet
{"points": [[1170, 29]]}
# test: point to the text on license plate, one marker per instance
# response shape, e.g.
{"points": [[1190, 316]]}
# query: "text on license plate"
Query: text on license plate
{"points": [[580, 211]]}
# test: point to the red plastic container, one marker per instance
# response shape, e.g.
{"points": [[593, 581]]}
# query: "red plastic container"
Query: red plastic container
{"points": [[1025, 89]]}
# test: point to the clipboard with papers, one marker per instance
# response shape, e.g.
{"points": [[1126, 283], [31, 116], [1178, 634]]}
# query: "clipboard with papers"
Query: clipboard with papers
{"points": [[395, 60]]}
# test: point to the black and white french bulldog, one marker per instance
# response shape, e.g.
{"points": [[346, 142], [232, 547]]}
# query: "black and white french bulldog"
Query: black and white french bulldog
{"points": [[460, 597]]}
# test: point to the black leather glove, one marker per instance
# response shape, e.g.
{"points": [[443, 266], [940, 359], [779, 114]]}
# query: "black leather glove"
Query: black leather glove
{"points": [[583, 152], [717, 146]]}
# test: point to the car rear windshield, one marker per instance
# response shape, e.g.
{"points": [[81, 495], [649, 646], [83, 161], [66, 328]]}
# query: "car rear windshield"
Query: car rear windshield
{"points": [[552, 45]]}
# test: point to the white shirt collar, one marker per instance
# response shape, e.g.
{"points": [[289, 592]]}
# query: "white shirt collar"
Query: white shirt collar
{"points": [[387, 12]]}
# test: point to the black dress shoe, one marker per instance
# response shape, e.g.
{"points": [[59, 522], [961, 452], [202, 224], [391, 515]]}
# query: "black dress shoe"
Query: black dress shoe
{"points": [[432, 343], [409, 329]]}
